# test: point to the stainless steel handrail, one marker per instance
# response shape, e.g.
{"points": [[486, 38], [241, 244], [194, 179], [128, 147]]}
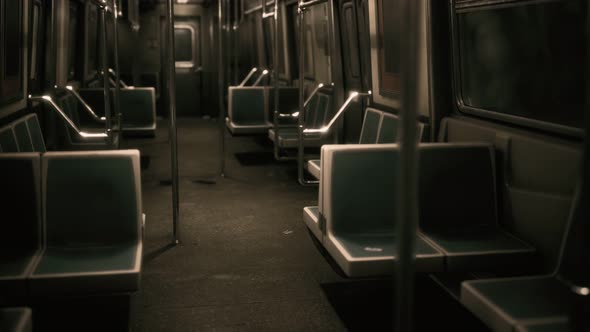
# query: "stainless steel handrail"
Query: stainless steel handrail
{"points": [[89, 110], [266, 15], [264, 73], [354, 95], [307, 101], [85, 135], [307, 4], [250, 74], [121, 82]]}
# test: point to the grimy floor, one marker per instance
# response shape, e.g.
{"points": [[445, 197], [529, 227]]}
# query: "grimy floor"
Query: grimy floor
{"points": [[246, 261]]}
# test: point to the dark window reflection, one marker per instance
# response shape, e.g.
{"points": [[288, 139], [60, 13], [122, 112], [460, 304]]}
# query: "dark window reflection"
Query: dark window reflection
{"points": [[183, 43], [527, 61]]}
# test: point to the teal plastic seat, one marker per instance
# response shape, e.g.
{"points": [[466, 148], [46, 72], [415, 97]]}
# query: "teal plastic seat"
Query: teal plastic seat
{"points": [[378, 127], [20, 226], [248, 110], [316, 116], [137, 107], [71, 140], [35, 132], [16, 320], [356, 215], [8, 140], [92, 224], [458, 209], [556, 302]]}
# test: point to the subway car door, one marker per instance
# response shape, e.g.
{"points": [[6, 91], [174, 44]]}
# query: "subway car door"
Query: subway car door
{"points": [[347, 15], [187, 50]]}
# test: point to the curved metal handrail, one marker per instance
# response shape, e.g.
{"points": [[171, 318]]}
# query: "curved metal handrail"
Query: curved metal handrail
{"points": [[87, 107], [354, 95], [48, 100], [121, 82], [250, 74], [264, 73], [295, 115]]}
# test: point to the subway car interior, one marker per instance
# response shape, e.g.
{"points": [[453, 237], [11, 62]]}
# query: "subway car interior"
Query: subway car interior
{"points": [[173, 165]]}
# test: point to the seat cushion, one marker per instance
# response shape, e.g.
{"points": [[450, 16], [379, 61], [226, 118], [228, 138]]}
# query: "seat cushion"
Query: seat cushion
{"points": [[16, 320], [314, 168], [364, 255], [289, 138], [504, 303], [237, 129], [87, 270], [371, 124], [481, 248]]}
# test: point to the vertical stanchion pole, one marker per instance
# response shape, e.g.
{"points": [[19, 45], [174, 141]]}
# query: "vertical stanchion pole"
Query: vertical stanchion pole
{"points": [[105, 73], [275, 76], [116, 65], [301, 119], [407, 207], [221, 86], [172, 105]]}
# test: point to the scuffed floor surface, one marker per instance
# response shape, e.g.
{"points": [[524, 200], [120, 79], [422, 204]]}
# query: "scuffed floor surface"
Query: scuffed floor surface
{"points": [[246, 261]]}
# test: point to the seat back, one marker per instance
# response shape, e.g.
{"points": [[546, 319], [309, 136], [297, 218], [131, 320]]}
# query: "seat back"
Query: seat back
{"points": [[457, 186], [21, 132], [92, 198], [358, 188], [35, 133], [20, 178], [371, 125], [248, 105], [324, 109], [8, 140], [138, 106], [389, 129]]}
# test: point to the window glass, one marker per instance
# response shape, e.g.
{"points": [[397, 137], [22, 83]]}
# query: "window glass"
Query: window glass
{"points": [[92, 23], [72, 41], [183, 43], [12, 39], [11, 67], [526, 60], [35, 26], [389, 47]]}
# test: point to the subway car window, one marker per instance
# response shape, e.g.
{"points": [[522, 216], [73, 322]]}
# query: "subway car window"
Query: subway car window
{"points": [[12, 52], [73, 56], [92, 41], [389, 49], [525, 60], [183, 45]]}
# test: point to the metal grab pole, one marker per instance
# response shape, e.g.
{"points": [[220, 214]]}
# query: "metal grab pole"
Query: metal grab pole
{"points": [[301, 120], [172, 105], [275, 65], [221, 86], [105, 78], [407, 208], [116, 60]]}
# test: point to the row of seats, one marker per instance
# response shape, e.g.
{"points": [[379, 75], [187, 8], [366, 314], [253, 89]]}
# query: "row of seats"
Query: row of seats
{"points": [[70, 138], [317, 114], [459, 230], [22, 135], [459, 227], [378, 127], [74, 223], [250, 108], [137, 106]]}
